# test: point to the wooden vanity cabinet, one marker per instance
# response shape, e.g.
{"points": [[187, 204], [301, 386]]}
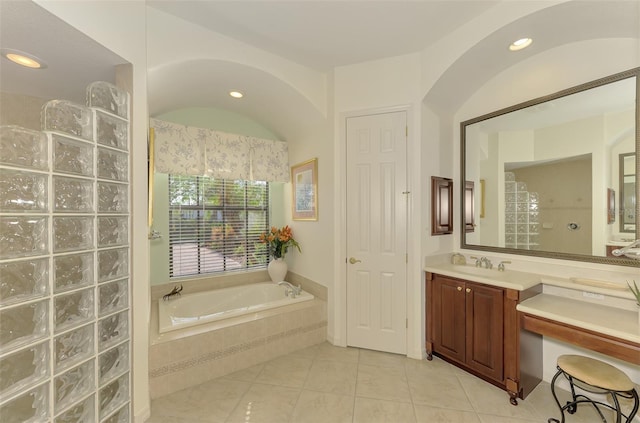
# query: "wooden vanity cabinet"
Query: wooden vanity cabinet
{"points": [[475, 327]]}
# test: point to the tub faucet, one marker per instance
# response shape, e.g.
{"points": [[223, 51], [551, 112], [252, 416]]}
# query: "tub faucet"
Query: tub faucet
{"points": [[290, 289]]}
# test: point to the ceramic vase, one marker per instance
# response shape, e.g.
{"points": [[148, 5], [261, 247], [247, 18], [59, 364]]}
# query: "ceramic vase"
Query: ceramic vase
{"points": [[277, 269]]}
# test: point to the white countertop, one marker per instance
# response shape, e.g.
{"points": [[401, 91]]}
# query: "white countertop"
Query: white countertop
{"points": [[612, 321], [510, 279]]}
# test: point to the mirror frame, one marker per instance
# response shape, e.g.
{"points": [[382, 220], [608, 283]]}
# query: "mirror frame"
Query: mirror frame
{"points": [[550, 254]]}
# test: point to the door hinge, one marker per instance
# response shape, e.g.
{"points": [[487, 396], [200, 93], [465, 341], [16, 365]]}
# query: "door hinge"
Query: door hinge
{"points": [[406, 323], [406, 131], [406, 258]]}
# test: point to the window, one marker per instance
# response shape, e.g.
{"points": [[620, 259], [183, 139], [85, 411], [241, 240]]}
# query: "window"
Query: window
{"points": [[215, 224]]}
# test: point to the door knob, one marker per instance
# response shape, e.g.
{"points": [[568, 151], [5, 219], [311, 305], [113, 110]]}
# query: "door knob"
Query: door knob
{"points": [[459, 288], [354, 260], [468, 290]]}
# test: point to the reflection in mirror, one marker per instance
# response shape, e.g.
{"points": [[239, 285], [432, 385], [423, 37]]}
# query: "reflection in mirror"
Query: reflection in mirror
{"points": [[628, 199], [546, 167]]}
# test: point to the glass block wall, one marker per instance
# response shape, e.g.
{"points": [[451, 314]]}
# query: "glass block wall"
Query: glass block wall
{"points": [[64, 263], [521, 225]]}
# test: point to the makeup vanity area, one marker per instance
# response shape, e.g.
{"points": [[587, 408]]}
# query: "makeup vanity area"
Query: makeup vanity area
{"points": [[540, 180], [491, 323]]}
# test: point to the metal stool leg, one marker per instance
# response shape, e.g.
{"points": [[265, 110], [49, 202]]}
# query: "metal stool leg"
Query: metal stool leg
{"points": [[555, 397]]}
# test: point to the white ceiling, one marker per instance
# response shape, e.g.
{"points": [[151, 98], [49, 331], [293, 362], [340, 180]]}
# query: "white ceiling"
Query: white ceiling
{"points": [[73, 59], [325, 34], [318, 34]]}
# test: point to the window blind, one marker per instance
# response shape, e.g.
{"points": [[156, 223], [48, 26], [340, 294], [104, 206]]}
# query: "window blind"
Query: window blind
{"points": [[215, 224]]}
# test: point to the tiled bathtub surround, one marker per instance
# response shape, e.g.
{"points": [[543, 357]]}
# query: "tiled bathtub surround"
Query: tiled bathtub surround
{"points": [[188, 357]]}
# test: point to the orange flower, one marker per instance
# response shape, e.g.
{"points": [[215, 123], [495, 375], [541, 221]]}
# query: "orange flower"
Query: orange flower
{"points": [[279, 240]]}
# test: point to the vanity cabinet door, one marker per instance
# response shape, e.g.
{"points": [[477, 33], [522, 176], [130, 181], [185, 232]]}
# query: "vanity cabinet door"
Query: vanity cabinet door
{"points": [[449, 324], [484, 330]]}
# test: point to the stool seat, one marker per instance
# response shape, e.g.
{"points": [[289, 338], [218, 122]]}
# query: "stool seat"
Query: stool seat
{"points": [[595, 373]]}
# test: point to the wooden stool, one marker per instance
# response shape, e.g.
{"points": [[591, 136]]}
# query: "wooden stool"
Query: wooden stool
{"points": [[596, 377]]}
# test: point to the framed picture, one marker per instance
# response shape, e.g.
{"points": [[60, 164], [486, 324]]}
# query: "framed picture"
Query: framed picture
{"points": [[304, 181]]}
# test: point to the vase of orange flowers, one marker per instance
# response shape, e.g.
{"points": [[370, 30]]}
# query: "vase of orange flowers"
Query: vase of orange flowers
{"points": [[278, 241]]}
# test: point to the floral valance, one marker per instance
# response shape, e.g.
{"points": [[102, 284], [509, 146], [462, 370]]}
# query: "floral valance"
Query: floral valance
{"points": [[185, 150]]}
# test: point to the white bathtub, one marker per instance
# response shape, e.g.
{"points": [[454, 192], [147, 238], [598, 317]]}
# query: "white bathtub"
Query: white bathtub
{"points": [[210, 306]]}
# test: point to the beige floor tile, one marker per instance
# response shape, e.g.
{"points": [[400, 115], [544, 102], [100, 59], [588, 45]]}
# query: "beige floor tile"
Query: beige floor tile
{"points": [[378, 358], [368, 410], [265, 404], [326, 351], [437, 390], [387, 383], [332, 376], [437, 365], [248, 375], [425, 414], [308, 352], [196, 403], [488, 399], [487, 418], [322, 407], [285, 371], [172, 419]]}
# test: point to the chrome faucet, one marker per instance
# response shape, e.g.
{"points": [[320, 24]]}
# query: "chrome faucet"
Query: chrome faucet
{"points": [[485, 263], [627, 250], [294, 291], [501, 265]]}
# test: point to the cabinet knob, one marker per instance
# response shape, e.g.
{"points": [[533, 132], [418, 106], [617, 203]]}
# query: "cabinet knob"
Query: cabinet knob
{"points": [[459, 288], [468, 290]]}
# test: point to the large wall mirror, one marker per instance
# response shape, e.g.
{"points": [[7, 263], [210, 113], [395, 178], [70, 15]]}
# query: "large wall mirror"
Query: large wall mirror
{"points": [[558, 175]]}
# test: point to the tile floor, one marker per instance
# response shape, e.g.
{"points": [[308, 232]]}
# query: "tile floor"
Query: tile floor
{"points": [[331, 384]]}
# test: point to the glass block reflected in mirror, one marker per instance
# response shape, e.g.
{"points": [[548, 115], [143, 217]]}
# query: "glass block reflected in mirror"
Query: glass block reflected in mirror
{"points": [[113, 363], [113, 396], [120, 416], [69, 118], [69, 387], [73, 271], [112, 131], [72, 195], [112, 198], [73, 309], [113, 296], [23, 147], [23, 280], [113, 231], [113, 264], [71, 156], [30, 407], [72, 347], [23, 368], [23, 191], [113, 329], [72, 233], [81, 412], [22, 236], [108, 97], [22, 325], [113, 165]]}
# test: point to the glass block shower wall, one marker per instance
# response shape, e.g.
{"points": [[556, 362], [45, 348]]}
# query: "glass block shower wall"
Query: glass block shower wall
{"points": [[64, 263], [521, 225]]}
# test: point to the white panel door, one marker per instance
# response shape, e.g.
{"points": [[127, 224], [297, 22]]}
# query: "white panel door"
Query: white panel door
{"points": [[377, 232]]}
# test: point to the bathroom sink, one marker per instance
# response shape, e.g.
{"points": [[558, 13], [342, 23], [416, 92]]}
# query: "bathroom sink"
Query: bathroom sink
{"points": [[494, 275]]}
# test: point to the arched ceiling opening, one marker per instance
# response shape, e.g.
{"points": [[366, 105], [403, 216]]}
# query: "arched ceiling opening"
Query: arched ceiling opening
{"points": [[267, 99], [551, 27]]}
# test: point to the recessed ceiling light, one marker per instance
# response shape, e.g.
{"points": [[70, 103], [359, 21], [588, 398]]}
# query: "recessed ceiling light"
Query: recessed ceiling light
{"points": [[23, 59], [520, 44], [236, 94]]}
